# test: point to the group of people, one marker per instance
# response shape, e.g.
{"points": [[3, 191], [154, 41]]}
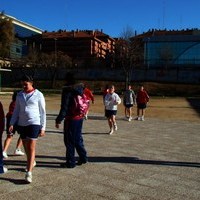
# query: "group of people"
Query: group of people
{"points": [[112, 99], [141, 98], [27, 116]]}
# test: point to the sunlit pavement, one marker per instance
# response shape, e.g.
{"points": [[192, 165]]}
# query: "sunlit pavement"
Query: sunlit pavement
{"points": [[151, 159]]}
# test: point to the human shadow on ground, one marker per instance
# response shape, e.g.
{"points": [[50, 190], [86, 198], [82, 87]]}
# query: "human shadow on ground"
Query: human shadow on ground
{"points": [[15, 181], [16, 163], [99, 159], [135, 160], [21, 165], [50, 157], [194, 103], [102, 159]]}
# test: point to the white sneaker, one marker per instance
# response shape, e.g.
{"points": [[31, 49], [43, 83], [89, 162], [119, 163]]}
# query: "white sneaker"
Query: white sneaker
{"points": [[115, 127], [111, 132], [142, 118], [129, 119], [5, 155], [19, 152], [5, 169], [28, 177]]}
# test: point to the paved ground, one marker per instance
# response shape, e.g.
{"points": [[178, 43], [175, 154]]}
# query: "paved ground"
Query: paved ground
{"points": [[150, 160]]}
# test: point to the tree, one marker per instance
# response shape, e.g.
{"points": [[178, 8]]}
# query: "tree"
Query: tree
{"points": [[53, 63], [6, 35], [128, 52], [61, 60]]}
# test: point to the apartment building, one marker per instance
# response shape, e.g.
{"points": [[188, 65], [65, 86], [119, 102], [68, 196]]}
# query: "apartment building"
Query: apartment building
{"points": [[78, 44], [160, 47]]}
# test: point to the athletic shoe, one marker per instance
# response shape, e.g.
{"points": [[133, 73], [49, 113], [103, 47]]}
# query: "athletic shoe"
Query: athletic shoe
{"points": [[115, 127], [18, 152], [80, 162], [28, 177], [129, 119], [67, 165], [5, 155], [142, 118], [110, 132], [5, 169]]}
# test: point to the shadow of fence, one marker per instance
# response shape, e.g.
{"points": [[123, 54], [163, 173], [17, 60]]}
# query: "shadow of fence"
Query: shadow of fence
{"points": [[194, 103]]}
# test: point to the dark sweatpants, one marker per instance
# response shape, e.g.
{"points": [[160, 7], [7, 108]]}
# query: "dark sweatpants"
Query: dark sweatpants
{"points": [[74, 141], [1, 155]]}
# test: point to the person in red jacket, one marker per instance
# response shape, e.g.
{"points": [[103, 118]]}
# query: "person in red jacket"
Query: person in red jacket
{"points": [[89, 95], [142, 98], [2, 125], [105, 91], [9, 137]]}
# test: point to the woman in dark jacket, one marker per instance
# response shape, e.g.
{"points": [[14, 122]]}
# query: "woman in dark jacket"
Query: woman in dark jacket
{"points": [[72, 124]]}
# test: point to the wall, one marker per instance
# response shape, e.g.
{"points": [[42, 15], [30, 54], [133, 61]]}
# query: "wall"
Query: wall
{"points": [[178, 75]]}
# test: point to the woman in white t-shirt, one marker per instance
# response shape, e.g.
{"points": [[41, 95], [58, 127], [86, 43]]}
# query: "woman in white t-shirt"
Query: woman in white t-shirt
{"points": [[111, 101], [30, 116]]}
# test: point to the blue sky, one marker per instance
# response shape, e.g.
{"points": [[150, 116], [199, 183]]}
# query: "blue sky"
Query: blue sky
{"points": [[111, 16]]}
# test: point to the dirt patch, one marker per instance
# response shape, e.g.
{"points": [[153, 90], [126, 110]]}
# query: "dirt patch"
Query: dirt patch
{"points": [[172, 108], [162, 108]]}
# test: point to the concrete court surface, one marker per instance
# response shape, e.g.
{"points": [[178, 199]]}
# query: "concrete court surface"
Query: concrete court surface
{"points": [[151, 160]]}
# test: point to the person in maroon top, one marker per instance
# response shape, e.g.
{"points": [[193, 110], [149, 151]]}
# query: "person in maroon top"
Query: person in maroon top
{"points": [[88, 93], [105, 91], [142, 98], [9, 137], [2, 125]]}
